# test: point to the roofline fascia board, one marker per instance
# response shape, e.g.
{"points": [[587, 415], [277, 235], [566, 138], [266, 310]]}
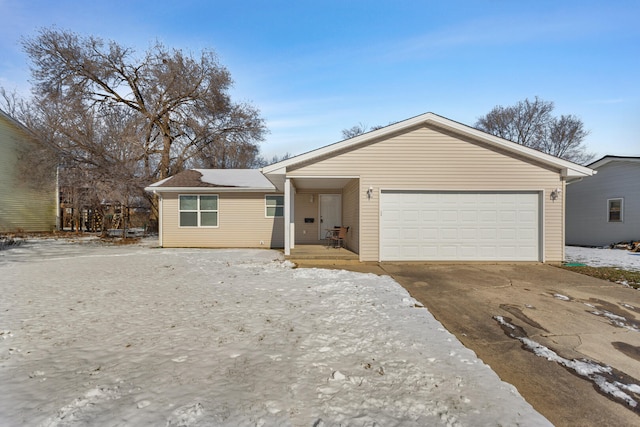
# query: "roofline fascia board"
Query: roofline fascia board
{"points": [[576, 170], [211, 189], [322, 176], [571, 173], [608, 159]]}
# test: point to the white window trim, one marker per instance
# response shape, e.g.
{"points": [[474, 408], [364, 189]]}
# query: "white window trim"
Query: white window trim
{"points": [[199, 211], [621, 209], [276, 206]]}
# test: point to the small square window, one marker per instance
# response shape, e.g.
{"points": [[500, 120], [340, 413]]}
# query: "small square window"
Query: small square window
{"points": [[198, 211], [274, 206], [615, 210]]}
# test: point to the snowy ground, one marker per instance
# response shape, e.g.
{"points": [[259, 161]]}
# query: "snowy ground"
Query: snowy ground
{"points": [[133, 335], [599, 257]]}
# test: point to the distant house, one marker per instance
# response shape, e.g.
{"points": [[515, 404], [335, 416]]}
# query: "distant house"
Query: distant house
{"points": [[605, 208], [426, 188], [23, 205]]}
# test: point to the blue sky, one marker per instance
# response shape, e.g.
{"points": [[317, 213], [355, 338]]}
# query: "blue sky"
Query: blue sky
{"points": [[314, 68]]}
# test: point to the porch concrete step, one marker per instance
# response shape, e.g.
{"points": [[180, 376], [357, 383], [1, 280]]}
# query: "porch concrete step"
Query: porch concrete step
{"points": [[319, 252]]}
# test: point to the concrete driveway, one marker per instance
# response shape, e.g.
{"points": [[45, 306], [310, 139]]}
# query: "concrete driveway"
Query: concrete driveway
{"points": [[575, 316]]}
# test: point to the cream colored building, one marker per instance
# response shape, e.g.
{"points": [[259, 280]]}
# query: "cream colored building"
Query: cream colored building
{"points": [[424, 189], [24, 206]]}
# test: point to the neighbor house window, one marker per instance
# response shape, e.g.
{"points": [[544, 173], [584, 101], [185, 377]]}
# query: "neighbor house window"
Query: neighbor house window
{"points": [[199, 211], [615, 210], [274, 206]]}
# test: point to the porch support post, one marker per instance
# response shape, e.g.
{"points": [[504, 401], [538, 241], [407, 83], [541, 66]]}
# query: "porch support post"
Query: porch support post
{"points": [[160, 202], [289, 226], [292, 224]]}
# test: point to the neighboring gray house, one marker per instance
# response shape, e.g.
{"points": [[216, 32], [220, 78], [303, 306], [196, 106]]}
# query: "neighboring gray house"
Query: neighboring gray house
{"points": [[605, 208], [23, 206]]}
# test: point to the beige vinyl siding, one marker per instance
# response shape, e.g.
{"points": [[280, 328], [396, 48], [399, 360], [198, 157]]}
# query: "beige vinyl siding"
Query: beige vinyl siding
{"points": [[428, 158], [351, 199], [23, 206], [242, 223]]}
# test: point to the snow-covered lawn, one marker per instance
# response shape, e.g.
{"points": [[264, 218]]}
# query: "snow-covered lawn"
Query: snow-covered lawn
{"points": [[599, 257], [134, 335]]}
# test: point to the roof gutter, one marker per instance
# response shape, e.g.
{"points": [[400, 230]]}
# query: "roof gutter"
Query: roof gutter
{"points": [[156, 190]]}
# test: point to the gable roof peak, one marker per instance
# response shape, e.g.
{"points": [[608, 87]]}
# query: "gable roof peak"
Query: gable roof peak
{"points": [[568, 168]]}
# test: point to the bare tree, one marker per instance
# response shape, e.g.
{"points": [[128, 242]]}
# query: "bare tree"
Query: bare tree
{"points": [[177, 104], [262, 161], [532, 124], [357, 130], [129, 120]]}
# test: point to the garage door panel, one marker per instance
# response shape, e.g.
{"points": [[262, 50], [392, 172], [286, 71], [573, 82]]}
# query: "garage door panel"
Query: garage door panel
{"points": [[527, 217], [448, 234], [411, 215], [460, 226], [449, 216], [410, 234], [448, 251], [507, 235], [489, 252], [527, 234], [393, 215], [488, 216], [468, 251], [467, 234], [487, 234], [411, 251], [428, 215], [469, 216], [430, 233], [428, 252]]}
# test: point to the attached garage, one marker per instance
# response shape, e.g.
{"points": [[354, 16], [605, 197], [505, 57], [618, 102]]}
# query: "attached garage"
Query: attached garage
{"points": [[459, 226]]}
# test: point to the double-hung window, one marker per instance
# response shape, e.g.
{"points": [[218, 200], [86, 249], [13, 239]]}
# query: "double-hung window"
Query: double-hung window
{"points": [[198, 210], [274, 206], [614, 212]]}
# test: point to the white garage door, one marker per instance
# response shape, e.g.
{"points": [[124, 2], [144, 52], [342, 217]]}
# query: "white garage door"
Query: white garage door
{"points": [[453, 226]]}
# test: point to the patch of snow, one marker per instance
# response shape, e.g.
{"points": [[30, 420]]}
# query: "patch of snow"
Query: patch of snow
{"points": [[135, 335], [250, 178], [601, 257], [599, 374], [615, 319]]}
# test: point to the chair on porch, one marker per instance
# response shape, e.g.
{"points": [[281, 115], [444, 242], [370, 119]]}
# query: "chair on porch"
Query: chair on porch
{"points": [[338, 238]]}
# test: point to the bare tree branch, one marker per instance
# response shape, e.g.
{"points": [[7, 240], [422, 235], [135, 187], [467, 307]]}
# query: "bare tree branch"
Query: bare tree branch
{"points": [[532, 124]]}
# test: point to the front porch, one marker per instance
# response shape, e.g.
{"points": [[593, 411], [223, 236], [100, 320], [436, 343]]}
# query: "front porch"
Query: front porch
{"points": [[315, 205]]}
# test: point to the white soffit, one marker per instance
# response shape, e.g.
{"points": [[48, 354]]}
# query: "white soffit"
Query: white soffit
{"points": [[319, 183]]}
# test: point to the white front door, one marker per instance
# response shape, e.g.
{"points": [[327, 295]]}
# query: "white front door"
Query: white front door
{"points": [[330, 213]]}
